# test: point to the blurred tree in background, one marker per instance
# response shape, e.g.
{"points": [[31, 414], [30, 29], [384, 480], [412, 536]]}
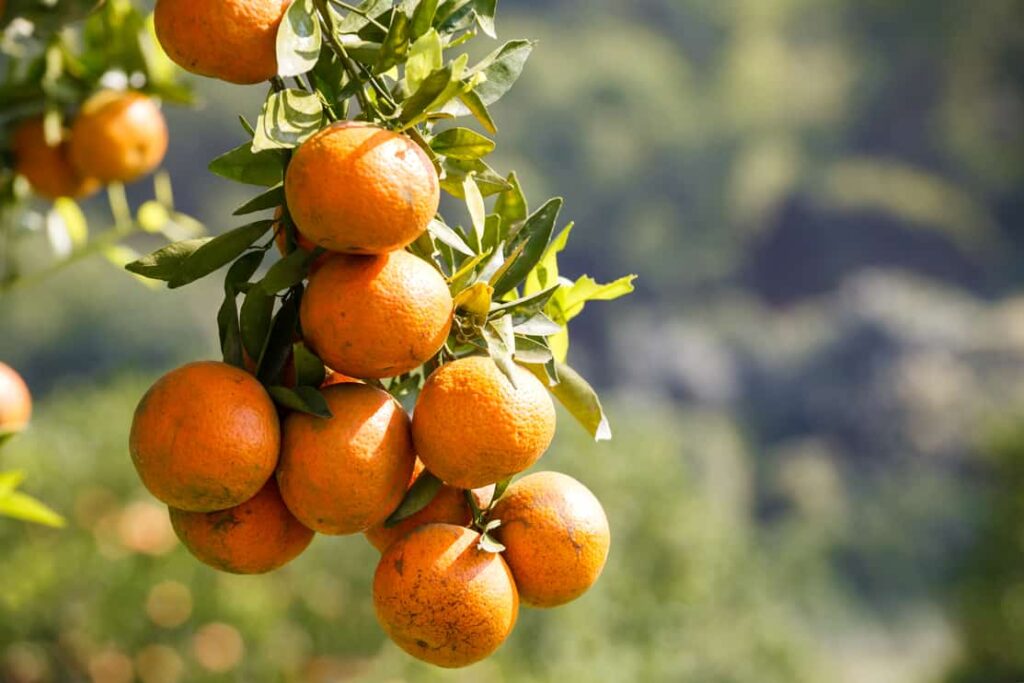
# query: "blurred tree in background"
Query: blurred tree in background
{"points": [[823, 199]]}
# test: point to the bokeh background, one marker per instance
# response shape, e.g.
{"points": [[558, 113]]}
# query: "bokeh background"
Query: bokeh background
{"points": [[818, 465]]}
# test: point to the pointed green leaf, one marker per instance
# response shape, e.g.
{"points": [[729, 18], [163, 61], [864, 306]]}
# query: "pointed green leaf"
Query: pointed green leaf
{"points": [[511, 204], [445, 234], [534, 235], [303, 399], [245, 166], [287, 119], [578, 397], [462, 143], [289, 271], [254, 321], [271, 199], [298, 39], [218, 252], [22, 506], [164, 264], [309, 369], [416, 498], [425, 57], [423, 17]]}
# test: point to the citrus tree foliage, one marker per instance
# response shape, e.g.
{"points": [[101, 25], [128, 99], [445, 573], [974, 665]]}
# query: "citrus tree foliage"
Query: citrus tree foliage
{"points": [[54, 55], [403, 66]]}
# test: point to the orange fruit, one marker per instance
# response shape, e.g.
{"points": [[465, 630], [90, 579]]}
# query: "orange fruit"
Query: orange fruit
{"points": [[356, 188], [442, 599], [205, 437], [472, 427], [556, 537], [233, 40], [346, 473], [255, 537], [48, 169], [118, 136], [15, 401], [376, 316], [448, 505]]}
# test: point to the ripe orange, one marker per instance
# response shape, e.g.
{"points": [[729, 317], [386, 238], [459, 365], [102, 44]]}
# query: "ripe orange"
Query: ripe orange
{"points": [[15, 401], [376, 316], [233, 40], [48, 169], [449, 506], [556, 537], [118, 136], [442, 599], [255, 537], [357, 188], [471, 427], [205, 437], [344, 474]]}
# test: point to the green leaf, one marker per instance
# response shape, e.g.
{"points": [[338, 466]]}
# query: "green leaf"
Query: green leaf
{"points": [[298, 39], [445, 234], [534, 235], [530, 350], [303, 399], [475, 204], [254, 321], [26, 508], [525, 306], [570, 300], [287, 119], [475, 106], [165, 263], [271, 199], [484, 11], [218, 252], [486, 178], [423, 17], [309, 369], [355, 21], [395, 48], [464, 275], [425, 57], [538, 326], [462, 143], [496, 74], [279, 344], [500, 345], [430, 90], [416, 498], [499, 489], [578, 397], [230, 331], [245, 166], [10, 481], [511, 204], [545, 273], [288, 271]]}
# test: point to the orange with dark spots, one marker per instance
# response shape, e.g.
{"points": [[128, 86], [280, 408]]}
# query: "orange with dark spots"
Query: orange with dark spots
{"points": [[15, 401], [472, 427], [346, 473], [360, 189], [255, 537], [556, 537], [118, 137], [442, 599], [49, 170], [449, 505], [376, 316], [205, 437]]}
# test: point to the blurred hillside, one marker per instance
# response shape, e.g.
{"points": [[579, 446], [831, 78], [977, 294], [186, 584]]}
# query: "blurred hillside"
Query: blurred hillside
{"points": [[823, 200]]}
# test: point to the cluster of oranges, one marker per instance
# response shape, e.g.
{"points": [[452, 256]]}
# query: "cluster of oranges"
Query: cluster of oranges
{"points": [[115, 137], [248, 488]]}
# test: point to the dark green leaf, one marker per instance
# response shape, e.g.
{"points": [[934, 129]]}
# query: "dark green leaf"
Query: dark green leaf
{"points": [[487, 179], [254, 321], [535, 235], [395, 48], [243, 269], [527, 306], [462, 143], [416, 498], [309, 369], [164, 264], [432, 88], [475, 106], [279, 344], [288, 271], [287, 119], [423, 17], [230, 333], [271, 199], [218, 252], [511, 205], [303, 399], [298, 39], [493, 232], [502, 68], [573, 392], [245, 166]]}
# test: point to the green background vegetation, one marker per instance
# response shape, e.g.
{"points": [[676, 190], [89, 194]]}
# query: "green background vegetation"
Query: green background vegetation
{"points": [[816, 472]]}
